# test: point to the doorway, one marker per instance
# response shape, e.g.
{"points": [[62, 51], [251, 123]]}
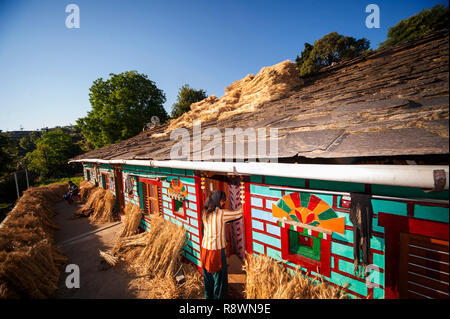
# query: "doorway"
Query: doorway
{"points": [[119, 188], [234, 231]]}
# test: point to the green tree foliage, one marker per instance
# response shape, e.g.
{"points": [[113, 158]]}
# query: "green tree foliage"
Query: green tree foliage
{"points": [[186, 96], [121, 106], [8, 153], [333, 47], [304, 55], [416, 26], [28, 143], [53, 150]]}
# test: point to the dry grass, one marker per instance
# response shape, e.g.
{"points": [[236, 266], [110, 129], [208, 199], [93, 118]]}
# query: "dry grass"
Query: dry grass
{"points": [[98, 206], [155, 257], [268, 279], [104, 209], [29, 260], [133, 217], [85, 190]]}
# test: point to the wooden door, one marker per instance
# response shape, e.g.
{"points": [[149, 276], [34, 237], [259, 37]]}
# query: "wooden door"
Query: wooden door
{"points": [[424, 267], [213, 184], [234, 230], [119, 188]]}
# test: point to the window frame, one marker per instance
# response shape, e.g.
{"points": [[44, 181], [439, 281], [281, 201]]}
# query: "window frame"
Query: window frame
{"points": [[184, 208], [156, 183], [105, 180], [321, 266]]}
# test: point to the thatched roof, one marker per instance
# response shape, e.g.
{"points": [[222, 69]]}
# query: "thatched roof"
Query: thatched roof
{"points": [[391, 102]]}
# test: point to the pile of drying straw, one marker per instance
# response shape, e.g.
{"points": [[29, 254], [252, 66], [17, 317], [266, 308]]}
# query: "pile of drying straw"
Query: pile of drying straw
{"points": [[155, 258], [30, 263], [99, 204], [268, 279]]}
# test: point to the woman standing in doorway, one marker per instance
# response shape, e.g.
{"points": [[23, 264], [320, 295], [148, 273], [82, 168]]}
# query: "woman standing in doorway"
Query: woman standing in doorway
{"points": [[212, 251]]}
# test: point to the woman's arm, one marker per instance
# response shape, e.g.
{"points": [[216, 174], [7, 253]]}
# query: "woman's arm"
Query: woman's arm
{"points": [[232, 214]]}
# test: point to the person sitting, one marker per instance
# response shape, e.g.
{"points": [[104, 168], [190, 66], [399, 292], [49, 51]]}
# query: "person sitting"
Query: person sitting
{"points": [[73, 191]]}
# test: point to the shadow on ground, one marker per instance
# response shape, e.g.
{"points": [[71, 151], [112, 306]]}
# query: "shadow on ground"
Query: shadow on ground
{"points": [[84, 252]]}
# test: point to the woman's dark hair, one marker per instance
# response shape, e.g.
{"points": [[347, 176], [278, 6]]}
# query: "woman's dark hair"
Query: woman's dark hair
{"points": [[213, 201]]}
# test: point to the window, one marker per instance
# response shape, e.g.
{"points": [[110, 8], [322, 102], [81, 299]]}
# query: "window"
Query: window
{"points": [[179, 208], [105, 181], [307, 248], [88, 175], [304, 245], [150, 196]]}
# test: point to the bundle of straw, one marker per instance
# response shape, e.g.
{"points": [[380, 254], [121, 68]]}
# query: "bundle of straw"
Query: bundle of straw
{"points": [[109, 258], [133, 217], [92, 200], [57, 191], [99, 206], [29, 260], [268, 279], [85, 189], [155, 256], [104, 209], [162, 255], [129, 248]]}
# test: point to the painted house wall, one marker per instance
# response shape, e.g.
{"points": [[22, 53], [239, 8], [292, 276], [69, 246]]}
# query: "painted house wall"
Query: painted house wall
{"points": [[102, 169], [191, 249], [87, 167], [264, 232], [109, 171]]}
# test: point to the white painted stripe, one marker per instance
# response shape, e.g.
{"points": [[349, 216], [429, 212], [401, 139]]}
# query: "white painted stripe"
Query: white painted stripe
{"points": [[430, 249], [414, 273], [415, 292], [438, 261], [442, 272], [415, 283]]}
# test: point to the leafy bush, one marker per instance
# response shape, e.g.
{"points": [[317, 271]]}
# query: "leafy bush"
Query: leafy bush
{"points": [[331, 48], [418, 25]]}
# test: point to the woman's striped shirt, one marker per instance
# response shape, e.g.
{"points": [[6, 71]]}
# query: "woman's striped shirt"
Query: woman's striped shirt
{"points": [[214, 227]]}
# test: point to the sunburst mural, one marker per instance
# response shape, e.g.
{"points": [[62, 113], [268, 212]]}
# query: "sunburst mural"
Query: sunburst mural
{"points": [[308, 209], [177, 190]]}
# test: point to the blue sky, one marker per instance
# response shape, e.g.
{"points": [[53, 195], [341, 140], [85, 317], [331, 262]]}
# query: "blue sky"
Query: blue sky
{"points": [[46, 69]]}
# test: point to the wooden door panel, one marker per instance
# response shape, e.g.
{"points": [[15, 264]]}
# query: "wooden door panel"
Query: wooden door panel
{"points": [[424, 267], [119, 188]]}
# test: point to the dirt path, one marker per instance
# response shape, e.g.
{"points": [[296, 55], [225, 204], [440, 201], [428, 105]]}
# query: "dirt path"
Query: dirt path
{"points": [[84, 252], [81, 242]]}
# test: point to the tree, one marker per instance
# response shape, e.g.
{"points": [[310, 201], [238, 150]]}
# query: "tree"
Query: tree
{"points": [[27, 143], [121, 106], [186, 96], [419, 25], [304, 55], [53, 149], [333, 47], [8, 153]]}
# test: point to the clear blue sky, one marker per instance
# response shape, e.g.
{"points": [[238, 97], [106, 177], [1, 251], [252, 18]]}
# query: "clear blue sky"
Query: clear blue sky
{"points": [[46, 69]]}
